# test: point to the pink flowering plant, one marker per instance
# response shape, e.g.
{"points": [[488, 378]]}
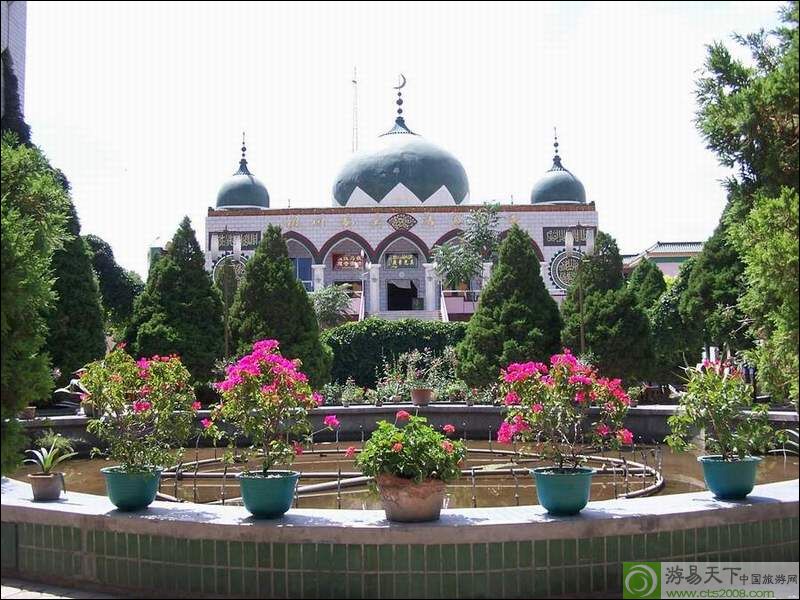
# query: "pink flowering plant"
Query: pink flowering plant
{"points": [[145, 408], [266, 398], [720, 402], [412, 449], [549, 405]]}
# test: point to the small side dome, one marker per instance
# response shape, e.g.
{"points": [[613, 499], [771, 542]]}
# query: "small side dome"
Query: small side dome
{"points": [[558, 185], [243, 189]]}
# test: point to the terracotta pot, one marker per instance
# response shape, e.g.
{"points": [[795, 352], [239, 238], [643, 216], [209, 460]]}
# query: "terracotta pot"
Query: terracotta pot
{"points": [[408, 502], [396, 399], [29, 412], [46, 486], [421, 396]]}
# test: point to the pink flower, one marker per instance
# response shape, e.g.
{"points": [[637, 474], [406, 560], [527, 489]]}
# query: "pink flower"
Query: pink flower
{"points": [[625, 436], [537, 408], [350, 452], [448, 429], [141, 406], [196, 406], [206, 423], [318, 398], [512, 398], [144, 390], [398, 447], [402, 415], [506, 433], [579, 379], [447, 446], [519, 424], [265, 346], [298, 448], [331, 421], [142, 363], [603, 429], [580, 397]]}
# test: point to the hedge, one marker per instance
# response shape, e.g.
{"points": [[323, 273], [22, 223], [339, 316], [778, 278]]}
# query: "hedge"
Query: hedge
{"points": [[360, 347]]}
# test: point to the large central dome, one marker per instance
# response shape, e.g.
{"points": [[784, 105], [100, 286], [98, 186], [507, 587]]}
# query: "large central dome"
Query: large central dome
{"points": [[403, 169]]}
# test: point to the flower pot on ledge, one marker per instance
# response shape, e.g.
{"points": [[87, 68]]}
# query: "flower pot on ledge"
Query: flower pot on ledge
{"points": [[563, 491], [405, 501], [730, 479], [421, 396], [269, 496], [46, 486], [130, 491]]}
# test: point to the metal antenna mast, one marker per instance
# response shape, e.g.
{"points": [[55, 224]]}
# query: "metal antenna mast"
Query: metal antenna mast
{"points": [[354, 145]]}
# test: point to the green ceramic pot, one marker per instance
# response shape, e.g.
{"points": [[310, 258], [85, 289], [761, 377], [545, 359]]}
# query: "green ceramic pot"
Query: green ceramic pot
{"points": [[131, 491], [563, 491], [268, 497], [730, 479]]}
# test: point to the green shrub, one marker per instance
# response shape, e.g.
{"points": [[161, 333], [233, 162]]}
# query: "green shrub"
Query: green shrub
{"points": [[360, 348]]}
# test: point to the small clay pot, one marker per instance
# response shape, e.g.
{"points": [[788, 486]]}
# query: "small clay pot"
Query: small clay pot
{"points": [[29, 412], [46, 486], [421, 396], [408, 502]]}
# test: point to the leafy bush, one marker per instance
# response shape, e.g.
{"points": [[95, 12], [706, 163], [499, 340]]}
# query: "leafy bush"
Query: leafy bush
{"points": [[145, 408], [548, 405], [416, 451], [716, 399], [331, 304], [360, 348], [266, 398]]}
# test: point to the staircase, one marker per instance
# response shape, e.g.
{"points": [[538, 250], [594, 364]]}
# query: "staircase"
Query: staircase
{"points": [[425, 315]]}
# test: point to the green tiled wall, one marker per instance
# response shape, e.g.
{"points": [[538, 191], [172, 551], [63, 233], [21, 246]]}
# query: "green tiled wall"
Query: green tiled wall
{"points": [[276, 570]]}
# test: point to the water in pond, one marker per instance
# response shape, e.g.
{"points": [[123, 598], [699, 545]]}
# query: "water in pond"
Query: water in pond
{"points": [[681, 472]]}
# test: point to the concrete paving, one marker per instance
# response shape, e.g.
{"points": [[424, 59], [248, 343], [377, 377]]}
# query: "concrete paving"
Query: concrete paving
{"points": [[19, 589]]}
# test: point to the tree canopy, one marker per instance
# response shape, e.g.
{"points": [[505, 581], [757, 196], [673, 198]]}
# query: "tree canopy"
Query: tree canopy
{"points": [[180, 310], [76, 335], [516, 320], [647, 283], [271, 303], [34, 207]]}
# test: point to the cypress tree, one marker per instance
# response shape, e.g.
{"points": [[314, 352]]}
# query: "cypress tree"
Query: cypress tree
{"points": [[76, 334], [33, 208], [118, 287], [180, 310], [516, 320], [647, 283], [616, 330], [271, 303]]}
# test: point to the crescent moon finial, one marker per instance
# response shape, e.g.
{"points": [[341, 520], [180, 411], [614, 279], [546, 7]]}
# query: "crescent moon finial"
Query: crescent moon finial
{"points": [[402, 81]]}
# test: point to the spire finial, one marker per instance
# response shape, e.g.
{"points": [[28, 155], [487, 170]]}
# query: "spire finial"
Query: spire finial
{"points": [[243, 170], [555, 140], [401, 82], [556, 158]]}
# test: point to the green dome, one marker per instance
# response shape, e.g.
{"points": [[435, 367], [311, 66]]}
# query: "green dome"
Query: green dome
{"points": [[558, 185], [401, 156], [242, 189]]}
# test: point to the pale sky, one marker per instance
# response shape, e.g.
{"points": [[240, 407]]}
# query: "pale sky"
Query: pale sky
{"points": [[142, 105]]}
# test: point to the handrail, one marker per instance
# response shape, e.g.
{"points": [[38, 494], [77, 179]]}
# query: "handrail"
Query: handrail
{"points": [[443, 308]]}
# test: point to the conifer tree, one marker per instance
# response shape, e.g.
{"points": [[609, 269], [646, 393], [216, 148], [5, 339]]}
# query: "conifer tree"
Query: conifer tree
{"points": [[516, 320], [616, 330], [76, 333], [180, 310], [271, 303], [118, 287], [647, 283], [33, 217]]}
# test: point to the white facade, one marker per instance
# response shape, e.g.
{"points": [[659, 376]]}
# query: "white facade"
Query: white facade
{"points": [[368, 239]]}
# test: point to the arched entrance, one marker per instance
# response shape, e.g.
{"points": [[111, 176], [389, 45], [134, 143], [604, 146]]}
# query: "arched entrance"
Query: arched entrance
{"points": [[402, 280]]}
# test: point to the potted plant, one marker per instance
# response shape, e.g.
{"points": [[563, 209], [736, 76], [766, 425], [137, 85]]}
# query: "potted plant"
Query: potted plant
{"points": [[548, 405], [719, 401], [46, 484], [266, 399], [410, 466], [145, 414]]}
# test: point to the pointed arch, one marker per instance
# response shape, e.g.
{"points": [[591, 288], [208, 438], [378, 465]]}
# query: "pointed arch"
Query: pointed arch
{"points": [[346, 235], [450, 235], [402, 235], [304, 242]]}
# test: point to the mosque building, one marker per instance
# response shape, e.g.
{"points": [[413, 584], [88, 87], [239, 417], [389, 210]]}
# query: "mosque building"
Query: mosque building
{"points": [[390, 206]]}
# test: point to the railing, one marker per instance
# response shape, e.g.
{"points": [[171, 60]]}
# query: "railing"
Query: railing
{"points": [[443, 308], [460, 301]]}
